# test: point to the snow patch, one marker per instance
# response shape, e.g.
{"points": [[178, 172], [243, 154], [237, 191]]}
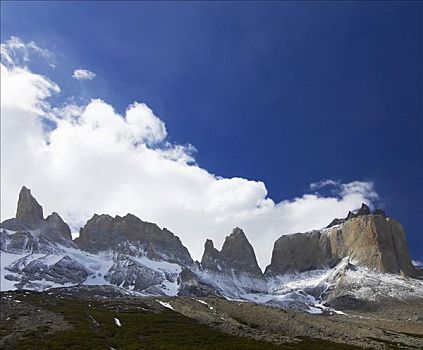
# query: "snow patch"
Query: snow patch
{"points": [[314, 310], [166, 305], [117, 321]]}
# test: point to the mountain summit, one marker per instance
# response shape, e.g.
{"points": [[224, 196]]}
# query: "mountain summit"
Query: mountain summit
{"points": [[237, 254], [234, 269], [103, 232]]}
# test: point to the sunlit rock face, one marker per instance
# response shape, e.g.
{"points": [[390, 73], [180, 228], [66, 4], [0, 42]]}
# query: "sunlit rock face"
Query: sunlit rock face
{"points": [[369, 240]]}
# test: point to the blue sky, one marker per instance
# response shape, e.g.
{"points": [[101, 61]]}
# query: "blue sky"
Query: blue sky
{"points": [[284, 93]]}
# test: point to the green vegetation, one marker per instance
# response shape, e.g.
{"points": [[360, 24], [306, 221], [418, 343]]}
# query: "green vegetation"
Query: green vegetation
{"points": [[94, 328]]}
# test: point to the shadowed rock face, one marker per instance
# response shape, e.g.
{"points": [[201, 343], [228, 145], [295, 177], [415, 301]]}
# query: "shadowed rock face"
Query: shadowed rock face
{"points": [[29, 211], [55, 223], [103, 232], [211, 257], [369, 240], [364, 210], [236, 254]]}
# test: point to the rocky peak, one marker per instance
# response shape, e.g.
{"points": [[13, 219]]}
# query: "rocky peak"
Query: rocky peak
{"points": [[238, 249], [208, 246], [56, 223], [237, 254], [364, 210], [235, 239], [29, 217], [29, 211], [211, 257], [209, 249]]}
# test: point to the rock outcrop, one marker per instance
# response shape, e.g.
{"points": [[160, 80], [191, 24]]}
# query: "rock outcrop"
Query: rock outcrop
{"points": [[103, 232], [192, 285], [65, 270], [23, 242], [130, 274], [370, 240], [29, 217]]}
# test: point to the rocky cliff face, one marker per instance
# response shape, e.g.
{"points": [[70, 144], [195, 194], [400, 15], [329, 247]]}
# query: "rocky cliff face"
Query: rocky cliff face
{"points": [[103, 232], [370, 240]]}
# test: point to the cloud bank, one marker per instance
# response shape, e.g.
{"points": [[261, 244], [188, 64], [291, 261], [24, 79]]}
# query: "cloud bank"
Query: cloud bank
{"points": [[83, 74], [94, 160]]}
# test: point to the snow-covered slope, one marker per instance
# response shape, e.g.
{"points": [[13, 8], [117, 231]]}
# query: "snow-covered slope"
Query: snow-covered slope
{"points": [[55, 265], [344, 285]]}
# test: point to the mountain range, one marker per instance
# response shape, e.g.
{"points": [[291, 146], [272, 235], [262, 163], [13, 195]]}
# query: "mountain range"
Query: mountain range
{"points": [[357, 261]]}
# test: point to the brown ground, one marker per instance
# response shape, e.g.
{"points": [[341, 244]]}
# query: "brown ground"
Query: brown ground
{"points": [[394, 326]]}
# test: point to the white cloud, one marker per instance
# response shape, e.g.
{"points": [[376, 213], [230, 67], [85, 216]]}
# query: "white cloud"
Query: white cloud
{"points": [[17, 52], [323, 183], [83, 74], [97, 161]]}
